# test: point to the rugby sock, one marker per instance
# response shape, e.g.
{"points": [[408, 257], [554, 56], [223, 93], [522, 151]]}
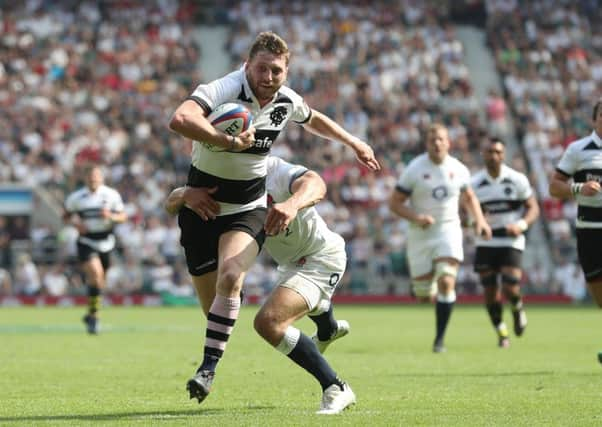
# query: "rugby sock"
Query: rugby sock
{"points": [[443, 310], [220, 323], [516, 302], [326, 323], [495, 313], [93, 299], [301, 350]]}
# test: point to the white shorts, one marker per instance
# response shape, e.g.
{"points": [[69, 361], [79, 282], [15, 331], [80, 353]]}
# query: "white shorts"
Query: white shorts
{"points": [[425, 246], [315, 278]]}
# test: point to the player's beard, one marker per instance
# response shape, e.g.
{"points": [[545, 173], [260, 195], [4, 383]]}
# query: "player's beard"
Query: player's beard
{"points": [[262, 93]]}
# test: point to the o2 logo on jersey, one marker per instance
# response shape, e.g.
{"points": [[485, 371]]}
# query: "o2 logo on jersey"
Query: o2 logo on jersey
{"points": [[440, 192], [508, 191]]}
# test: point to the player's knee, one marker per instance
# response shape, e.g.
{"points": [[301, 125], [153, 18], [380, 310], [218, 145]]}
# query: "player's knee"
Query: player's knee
{"points": [[267, 324], [510, 279], [229, 276], [489, 280], [445, 269], [423, 289]]}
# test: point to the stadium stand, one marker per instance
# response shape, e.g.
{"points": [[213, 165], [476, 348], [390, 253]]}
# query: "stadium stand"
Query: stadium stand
{"points": [[96, 82]]}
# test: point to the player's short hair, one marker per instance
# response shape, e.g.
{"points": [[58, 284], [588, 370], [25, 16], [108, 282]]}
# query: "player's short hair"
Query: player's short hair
{"points": [[496, 140], [596, 108], [434, 127], [268, 41]]}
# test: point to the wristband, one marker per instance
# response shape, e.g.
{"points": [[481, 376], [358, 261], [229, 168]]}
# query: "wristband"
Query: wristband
{"points": [[232, 142], [576, 188], [522, 225]]}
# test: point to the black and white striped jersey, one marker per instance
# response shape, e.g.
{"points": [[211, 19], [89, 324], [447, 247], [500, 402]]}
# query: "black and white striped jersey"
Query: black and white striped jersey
{"points": [[89, 205], [240, 176], [582, 161], [503, 202]]}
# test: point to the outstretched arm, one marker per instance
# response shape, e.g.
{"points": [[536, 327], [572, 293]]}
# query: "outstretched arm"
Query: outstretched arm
{"points": [[321, 125], [307, 190]]}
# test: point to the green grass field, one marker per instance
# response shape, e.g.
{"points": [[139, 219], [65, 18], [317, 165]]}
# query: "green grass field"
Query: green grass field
{"points": [[134, 373]]}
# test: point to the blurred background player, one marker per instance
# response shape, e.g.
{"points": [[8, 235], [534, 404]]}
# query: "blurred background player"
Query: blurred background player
{"points": [[236, 178], [93, 210], [435, 183], [311, 261], [510, 207], [582, 161]]}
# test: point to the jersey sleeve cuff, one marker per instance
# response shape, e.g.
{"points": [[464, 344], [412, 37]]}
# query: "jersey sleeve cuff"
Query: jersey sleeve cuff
{"points": [[202, 103], [403, 190], [560, 171]]}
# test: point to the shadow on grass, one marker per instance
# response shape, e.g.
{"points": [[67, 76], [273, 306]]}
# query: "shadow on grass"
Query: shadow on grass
{"points": [[150, 415]]}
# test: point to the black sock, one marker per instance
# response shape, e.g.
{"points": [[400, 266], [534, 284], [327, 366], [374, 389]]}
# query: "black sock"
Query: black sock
{"points": [[516, 302], [495, 313], [209, 363], [326, 323], [442, 313], [306, 355], [93, 300]]}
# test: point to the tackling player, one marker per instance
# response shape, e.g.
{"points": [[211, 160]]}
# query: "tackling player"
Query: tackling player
{"points": [[311, 261]]}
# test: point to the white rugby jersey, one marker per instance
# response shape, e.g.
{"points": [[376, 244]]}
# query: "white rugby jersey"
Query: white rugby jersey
{"points": [[88, 205], [307, 234], [435, 189], [582, 161], [240, 176], [502, 201]]}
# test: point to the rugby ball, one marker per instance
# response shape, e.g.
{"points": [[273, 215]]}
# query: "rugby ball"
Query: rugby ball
{"points": [[231, 118]]}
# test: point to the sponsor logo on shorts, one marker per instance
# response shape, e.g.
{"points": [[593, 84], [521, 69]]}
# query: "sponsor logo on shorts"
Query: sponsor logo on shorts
{"points": [[205, 264]]}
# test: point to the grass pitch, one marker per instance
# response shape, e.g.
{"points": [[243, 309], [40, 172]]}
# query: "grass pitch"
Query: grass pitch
{"points": [[134, 373]]}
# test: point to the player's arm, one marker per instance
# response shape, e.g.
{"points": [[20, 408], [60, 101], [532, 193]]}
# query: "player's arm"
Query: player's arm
{"points": [[307, 190], [531, 214], [73, 219], [190, 121], [398, 205], [561, 188], [198, 199], [321, 125], [470, 203]]}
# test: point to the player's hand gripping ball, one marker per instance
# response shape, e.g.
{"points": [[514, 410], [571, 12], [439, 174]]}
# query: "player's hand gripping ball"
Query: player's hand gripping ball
{"points": [[230, 118]]}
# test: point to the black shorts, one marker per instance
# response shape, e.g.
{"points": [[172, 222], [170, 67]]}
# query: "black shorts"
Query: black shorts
{"points": [[488, 258], [200, 238], [85, 253], [588, 245]]}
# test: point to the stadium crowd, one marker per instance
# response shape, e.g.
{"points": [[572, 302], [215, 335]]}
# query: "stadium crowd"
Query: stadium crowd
{"points": [[91, 81]]}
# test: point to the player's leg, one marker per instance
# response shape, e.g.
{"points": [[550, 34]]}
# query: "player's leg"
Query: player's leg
{"points": [[487, 267], [273, 322], [587, 251], [95, 278], [237, 252], [511, 285], [421, 267], [595, 290], [205, 289], [326, 270], [446, 270]]}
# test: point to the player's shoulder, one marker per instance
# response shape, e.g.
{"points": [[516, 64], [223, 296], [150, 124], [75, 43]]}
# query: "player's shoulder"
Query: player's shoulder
{"points": [[479, 175], [513, 174], [109, 190], [277, 165], [581, 144], [455, 163], [288, 95]]}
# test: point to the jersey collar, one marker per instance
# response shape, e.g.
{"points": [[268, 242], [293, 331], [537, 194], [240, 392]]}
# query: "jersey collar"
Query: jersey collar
{"points": [[249, 92]]}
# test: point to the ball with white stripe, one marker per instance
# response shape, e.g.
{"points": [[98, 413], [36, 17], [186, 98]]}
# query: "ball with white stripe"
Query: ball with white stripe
{"points": [[230, 118]]}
